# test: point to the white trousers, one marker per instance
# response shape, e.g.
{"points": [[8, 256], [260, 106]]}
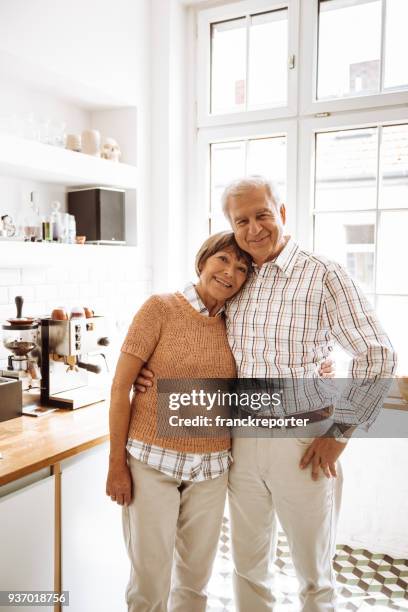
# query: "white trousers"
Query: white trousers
{"points": [[171, 531], [266, 482]]}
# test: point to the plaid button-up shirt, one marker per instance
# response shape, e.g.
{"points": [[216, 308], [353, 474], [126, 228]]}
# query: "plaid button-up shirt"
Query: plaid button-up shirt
{"points": [[183, 466], [289, 315]]}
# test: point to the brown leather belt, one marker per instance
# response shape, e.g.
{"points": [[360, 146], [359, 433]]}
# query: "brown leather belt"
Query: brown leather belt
{"points": [[317, 415]]}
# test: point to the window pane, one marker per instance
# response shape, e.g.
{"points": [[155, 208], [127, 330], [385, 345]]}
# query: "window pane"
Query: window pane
{"points": [[268, 55], [227, 163], [228, 66], [349, 48], [394, 163], [349, 239], [346, 168], [392, 311], [396, 48], [232, 160], [267, 156], [392, 256]]}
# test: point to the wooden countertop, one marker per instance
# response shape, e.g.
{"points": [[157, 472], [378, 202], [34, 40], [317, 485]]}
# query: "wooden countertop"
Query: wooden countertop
{"points": [[30, 443]]}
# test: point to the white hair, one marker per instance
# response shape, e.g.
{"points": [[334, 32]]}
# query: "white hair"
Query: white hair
{"points": [[241, 186]]}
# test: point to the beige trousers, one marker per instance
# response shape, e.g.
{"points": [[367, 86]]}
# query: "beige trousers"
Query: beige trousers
{"points": [[171, 530], [266, 482]]}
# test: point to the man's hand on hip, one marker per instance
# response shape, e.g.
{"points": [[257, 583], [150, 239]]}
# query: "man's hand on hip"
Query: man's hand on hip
{"points": [[322, 454]]}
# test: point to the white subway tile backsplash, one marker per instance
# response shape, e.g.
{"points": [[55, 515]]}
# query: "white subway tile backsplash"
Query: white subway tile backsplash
{"points": [[4, 296], [98, 274], [10, 276], [56, 275], [123, 288], [6, 312], [135, 273], [35, 309], [78, 275], [99, 305], [33, 276], [108, 289], [120, 273], [30, 309], [47, 292], [26, 291], [69, 292], [88, 290]]}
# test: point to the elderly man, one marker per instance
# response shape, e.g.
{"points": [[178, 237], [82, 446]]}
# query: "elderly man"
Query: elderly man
{"points": [[282, 324]]}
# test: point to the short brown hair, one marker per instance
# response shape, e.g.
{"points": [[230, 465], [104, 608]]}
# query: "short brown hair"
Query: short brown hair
{"points": [[219, 242]]}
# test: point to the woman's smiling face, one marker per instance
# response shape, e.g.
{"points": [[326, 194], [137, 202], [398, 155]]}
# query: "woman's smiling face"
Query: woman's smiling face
{"points": [[222, 276]]}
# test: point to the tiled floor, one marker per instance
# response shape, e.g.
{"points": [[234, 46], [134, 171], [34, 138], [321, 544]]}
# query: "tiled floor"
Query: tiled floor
{"points": [[366, 581]]}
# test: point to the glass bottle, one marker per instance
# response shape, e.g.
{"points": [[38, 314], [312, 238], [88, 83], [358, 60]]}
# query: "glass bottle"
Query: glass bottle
{"points": [[47, 231], [56, 220], [71, 229], [31, 221]]}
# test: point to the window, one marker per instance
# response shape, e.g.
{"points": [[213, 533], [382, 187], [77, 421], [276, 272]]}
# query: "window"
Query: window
{"points": [[247, 61], [265, 156], [228, 65], [361, 215], [356, 54], [313, 94], [242, 76]]}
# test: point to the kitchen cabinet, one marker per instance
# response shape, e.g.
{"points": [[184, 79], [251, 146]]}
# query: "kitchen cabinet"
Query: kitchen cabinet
{"points": [[27, 529], [95, 566], [61, 529], [375, 495]]}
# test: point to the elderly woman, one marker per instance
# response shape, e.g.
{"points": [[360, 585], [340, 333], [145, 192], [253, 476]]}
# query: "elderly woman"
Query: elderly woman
{"points": [[173, 487]]}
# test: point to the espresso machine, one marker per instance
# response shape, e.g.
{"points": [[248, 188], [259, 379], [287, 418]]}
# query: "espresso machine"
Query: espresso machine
{"points": [[70, 375]]}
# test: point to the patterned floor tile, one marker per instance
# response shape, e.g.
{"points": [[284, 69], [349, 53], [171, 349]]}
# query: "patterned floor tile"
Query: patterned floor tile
{"points": [[366, 580]]}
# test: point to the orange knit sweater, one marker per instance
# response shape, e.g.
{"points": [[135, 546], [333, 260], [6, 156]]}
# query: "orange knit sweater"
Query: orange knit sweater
{"points": [[177, 342]]}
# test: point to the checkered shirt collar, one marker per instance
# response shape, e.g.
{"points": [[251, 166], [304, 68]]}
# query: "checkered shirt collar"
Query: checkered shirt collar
{"points": [[286, 258]]}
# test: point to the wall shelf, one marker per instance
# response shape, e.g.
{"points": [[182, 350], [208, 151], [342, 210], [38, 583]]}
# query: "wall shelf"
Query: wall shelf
{"points": [[30, 159]]}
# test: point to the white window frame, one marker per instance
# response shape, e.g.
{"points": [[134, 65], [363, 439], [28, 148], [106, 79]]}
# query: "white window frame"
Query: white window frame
{"points": [[307, 158], [308, 128], [199, 213], [309, 104], [231, 11], [299, 121]]}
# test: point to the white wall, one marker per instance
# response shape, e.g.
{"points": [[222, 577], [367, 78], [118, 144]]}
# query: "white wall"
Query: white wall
{"points": [[135, 52], [169, 140], [48, 51], [98, 42]]}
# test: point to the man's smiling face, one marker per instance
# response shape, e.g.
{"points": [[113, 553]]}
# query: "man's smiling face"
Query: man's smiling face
{"points": [[257, 223]]}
